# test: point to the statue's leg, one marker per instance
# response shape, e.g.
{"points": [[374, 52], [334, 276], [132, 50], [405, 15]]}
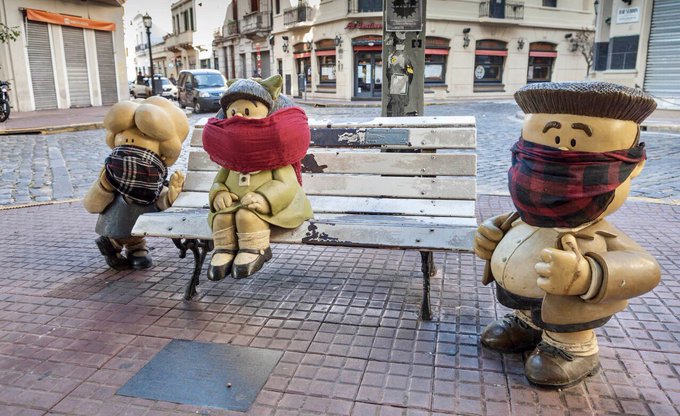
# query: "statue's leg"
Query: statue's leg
{"points": [[137, 252], [224, 239], [112, 252], [253, 243], [562, 359]]}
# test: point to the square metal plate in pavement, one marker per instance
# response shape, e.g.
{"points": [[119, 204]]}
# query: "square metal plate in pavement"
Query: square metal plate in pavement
{"points": [[198, 373]]}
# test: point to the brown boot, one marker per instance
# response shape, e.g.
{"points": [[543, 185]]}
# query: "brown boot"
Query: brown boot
{"points": [[551, 367], [510, 334]]}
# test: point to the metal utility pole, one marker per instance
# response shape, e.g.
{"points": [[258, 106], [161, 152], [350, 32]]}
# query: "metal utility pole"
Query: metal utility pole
{"points": [[403, 57], [146, 19]]}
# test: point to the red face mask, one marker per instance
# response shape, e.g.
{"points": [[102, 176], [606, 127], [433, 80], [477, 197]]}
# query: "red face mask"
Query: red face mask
{"points": [[249, 145], [557, 188]]}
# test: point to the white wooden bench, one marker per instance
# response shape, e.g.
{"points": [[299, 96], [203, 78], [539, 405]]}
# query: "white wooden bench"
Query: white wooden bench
{"points": [[399, 183]]}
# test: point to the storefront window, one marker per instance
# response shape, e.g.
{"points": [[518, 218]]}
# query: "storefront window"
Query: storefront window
{"points": [[623, 52], [489, 62], [541, 60], [436, 52], [303, 62], [325, 53]]}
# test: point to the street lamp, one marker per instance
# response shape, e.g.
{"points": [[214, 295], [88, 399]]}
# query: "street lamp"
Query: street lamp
{"points": [[147, 24]]}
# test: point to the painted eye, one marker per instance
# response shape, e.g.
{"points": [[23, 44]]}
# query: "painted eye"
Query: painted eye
{"points": [[233, 112], [573, 142], [557, 139], [247, 112]]}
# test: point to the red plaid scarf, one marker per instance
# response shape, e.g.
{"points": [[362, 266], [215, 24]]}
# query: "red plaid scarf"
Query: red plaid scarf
{"points": [[556, 188], [135, 172], [247, 145]]}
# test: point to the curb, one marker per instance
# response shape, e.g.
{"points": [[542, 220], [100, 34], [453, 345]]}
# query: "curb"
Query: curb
{"points": [[53, 129]]}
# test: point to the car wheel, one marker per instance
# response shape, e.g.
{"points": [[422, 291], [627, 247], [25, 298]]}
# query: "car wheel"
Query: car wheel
{"points": [[197, 107]]}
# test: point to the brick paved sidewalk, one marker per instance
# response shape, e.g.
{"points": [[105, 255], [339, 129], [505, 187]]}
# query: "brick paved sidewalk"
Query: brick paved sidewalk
{"points": [[72, 332]]}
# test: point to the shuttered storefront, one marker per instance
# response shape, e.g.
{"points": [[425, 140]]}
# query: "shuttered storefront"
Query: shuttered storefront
{"points": [[107, 67], [76, 66], [40, 62], [662, 76]]}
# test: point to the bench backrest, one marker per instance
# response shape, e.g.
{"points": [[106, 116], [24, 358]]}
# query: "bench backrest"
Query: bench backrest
{"points": [[409, 166]]}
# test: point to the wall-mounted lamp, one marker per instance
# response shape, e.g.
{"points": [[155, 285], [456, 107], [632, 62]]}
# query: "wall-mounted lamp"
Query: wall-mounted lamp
{"points": [[284, 46], [573, 45], [466, 37], [338, 40], [520, 44], [628, 2], [308, 45]]}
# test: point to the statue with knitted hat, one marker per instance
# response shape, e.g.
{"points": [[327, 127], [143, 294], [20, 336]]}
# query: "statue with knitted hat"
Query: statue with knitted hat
{"points": [[557, 262], [259, 139]]}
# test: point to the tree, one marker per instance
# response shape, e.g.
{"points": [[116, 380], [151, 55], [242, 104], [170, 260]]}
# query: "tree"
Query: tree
{"points": [[8, 34], [583, 41]]}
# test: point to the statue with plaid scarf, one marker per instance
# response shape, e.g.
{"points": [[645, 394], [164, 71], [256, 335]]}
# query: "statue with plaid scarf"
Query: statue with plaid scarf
{"points": [[561, 267]]}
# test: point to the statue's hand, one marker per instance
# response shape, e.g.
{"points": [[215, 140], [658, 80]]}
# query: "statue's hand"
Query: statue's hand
{"points": [[256, 202], [564, 272], [223, 200], [488, 235], [175, 186]]}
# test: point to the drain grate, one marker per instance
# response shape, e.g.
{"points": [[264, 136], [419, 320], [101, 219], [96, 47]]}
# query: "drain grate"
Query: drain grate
{"points": [[204, 374]]}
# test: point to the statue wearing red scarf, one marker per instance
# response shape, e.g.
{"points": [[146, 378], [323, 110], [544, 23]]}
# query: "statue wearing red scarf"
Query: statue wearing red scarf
{"points": [[258, 138], [557, 262]]}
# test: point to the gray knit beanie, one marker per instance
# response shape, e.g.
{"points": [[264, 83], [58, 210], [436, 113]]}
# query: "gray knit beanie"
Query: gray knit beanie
{"points": [[246, 89]]}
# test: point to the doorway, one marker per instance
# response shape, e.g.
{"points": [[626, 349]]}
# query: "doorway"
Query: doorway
{"points": [[368, 74]]}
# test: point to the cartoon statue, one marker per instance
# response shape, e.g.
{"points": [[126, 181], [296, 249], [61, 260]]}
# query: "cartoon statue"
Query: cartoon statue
{"points": [[557, 262], [146, 138], [259, 139]]}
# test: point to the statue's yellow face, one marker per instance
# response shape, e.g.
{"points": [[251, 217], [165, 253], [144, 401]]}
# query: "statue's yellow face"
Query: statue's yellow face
{"points": [[585, 134], [247, 109], [134, 137]]}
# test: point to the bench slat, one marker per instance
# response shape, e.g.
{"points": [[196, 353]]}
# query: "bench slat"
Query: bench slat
{"points": [[411, 138], [409, 164], [357, 205], [451, 187], [423, 121], [338, 230]]}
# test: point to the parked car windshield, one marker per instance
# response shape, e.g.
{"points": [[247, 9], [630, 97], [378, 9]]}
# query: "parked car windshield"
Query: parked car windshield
{"points": [[209, 80], [166, 81]]}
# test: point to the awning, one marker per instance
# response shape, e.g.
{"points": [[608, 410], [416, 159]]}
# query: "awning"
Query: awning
{"points": [[65, 20], [329, 52], [433, 51], [302, 55], [492, 52], [368, 48], [543, 54]]}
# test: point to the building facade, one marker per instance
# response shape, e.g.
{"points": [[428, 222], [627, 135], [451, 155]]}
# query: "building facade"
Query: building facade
{"points": [[333, 48], [69, 53], [637, 43], [157, 35]]}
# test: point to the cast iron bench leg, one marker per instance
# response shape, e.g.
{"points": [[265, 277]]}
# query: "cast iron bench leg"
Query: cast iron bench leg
{"points": [[429, 270], [199, 248]]}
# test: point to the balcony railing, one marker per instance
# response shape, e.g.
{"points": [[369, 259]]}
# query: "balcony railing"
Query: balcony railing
{"points": [[256, 22], [232, 28], [301, 13], [141, 47], [495, 10], [364, 6]]}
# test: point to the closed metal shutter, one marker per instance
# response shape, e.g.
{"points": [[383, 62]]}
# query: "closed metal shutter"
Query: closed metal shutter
{"points": [[76, 66], [40, 62], [107, 67], [662, 76]]}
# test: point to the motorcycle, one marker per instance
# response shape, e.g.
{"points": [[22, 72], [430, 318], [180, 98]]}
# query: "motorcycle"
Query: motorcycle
{"points": [[4, 101]]}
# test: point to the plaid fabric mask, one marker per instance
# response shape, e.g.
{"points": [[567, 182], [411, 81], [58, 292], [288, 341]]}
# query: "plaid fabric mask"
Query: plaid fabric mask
{"points": [[136, 173], [558, 188]]}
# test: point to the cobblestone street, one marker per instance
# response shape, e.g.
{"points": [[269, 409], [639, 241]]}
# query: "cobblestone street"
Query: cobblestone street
{"points": [[38, 168]]}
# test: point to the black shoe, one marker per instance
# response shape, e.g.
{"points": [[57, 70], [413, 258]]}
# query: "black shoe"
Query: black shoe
{"points": [[114, 258], [239, 271], [216, 273], [140, 262], [510, 335], [554, 368]]}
